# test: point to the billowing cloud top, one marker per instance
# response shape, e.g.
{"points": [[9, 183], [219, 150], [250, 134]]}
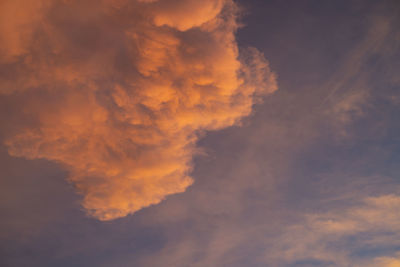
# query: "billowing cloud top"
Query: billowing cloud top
{"points": [[117, 91]]}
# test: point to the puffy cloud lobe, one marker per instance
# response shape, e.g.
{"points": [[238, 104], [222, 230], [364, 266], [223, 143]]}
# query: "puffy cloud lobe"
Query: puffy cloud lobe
{"points": [[119, 90]]}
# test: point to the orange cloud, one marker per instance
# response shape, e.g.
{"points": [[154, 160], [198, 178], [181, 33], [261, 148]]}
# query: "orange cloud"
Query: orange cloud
{"points": [[322, 236], [385, 262], [119, 90]]}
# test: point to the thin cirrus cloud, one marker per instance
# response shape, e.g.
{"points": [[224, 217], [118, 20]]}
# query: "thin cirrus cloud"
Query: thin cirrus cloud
{"points": [[335, 237], [118, 92]]}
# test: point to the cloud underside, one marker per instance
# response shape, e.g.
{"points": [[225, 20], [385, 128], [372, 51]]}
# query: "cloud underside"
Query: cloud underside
{"points": [[117, 91]]}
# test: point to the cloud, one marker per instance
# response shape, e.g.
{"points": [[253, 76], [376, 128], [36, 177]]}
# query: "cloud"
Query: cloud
{"points": [[351, 74], [385, 262], [341, 236], [118, 91], [350, 92]]}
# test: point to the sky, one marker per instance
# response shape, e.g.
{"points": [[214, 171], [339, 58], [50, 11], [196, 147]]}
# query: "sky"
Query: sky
{"points": [[200, 133]]}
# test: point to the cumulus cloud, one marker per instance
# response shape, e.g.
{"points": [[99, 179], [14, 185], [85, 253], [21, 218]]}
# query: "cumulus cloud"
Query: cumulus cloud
{"points": [[117, 91]]}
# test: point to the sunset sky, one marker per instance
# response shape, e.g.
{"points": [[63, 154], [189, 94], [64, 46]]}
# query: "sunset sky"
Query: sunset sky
{"points": [[188, 133]]}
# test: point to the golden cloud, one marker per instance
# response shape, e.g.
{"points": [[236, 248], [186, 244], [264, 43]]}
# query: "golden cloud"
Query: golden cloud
{"points": [[118, 90]]}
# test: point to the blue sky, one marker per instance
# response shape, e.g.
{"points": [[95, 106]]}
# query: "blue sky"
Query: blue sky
{"points": [[309, 178]]}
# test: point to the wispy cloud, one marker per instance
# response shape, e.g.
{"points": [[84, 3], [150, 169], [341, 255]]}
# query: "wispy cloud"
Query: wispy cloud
{"points": [[339, 237]]}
